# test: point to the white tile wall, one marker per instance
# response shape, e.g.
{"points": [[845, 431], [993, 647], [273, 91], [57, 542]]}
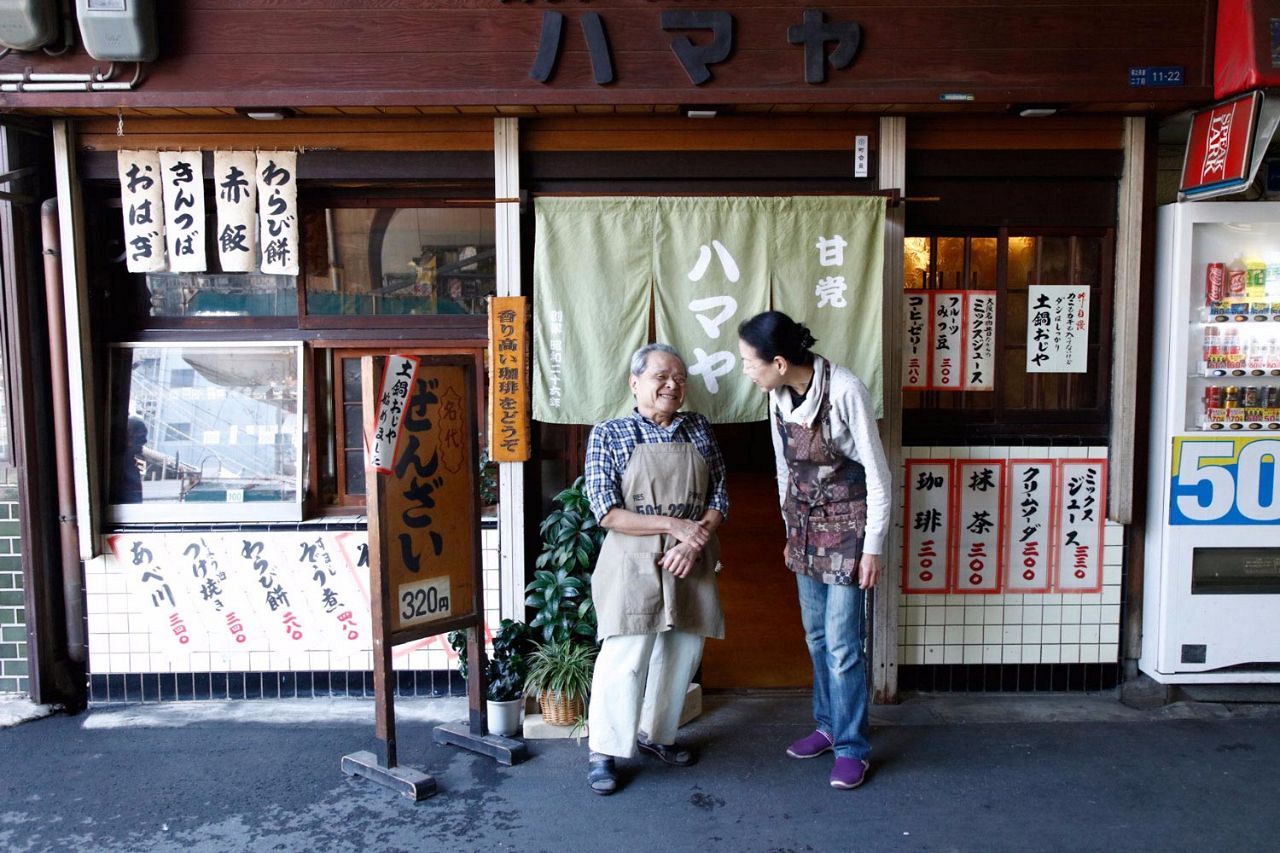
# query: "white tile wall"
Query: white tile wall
{"points": [[126, 637], [1051, 628]]}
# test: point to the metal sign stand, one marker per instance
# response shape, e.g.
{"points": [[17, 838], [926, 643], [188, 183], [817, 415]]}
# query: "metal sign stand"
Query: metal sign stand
{"points": [[386, 769]]}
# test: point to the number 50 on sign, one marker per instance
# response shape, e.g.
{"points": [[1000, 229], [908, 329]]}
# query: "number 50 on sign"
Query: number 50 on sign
{"points": [[1225, 481]]}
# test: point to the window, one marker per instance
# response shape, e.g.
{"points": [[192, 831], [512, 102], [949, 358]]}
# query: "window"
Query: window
{"points": [[379, 261], [1022, 405], [225, 445], [340, 479]]}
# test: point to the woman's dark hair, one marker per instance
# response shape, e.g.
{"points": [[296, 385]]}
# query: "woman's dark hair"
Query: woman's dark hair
{"points": [[773, 333]]}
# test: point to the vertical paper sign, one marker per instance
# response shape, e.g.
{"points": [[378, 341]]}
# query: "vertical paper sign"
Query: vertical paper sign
{"points": [[237, 202], [393, 400], [508, 379], [979, 520], [1029, 534], [928, 525], [1081, 505], [141, 199], [430, 511], [948, 340], [980, 320], [1057, 328], [183, 179], [278, 214], [917, 310]]}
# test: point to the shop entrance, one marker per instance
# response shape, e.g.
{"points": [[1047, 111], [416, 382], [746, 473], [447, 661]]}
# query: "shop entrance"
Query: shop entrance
{"points": [[764, 643]]}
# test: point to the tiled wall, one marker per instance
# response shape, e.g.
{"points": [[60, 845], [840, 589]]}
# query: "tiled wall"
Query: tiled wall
{"points": [[1014, 629], [134, 655], [13, 620]]}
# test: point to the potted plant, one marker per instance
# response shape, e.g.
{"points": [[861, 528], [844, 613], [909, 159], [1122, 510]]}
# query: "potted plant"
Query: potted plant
{"points": [[560, 592], [560, 675], [504, 673]]}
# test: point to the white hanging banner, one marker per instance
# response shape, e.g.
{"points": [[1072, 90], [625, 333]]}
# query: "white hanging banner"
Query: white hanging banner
{"points": [[1027, 558], [1082, 504], [237, 204], [980, 341], [948, 340], [393, 398], [183, 179], [143, 205], [917, 310], [927, 525], [979, 519], [278, 211], [1057, 328]]}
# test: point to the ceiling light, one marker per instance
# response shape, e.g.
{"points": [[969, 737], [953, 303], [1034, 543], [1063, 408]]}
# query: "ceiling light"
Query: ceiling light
{"points": [[1037, 112], [266, 113]]}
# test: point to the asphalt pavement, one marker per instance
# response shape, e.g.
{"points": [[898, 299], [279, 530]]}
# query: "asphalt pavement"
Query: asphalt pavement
{"points": [[951, 773]]}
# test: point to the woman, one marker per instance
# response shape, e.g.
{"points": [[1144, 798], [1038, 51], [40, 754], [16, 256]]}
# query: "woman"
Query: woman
{"points": [[833, 483], [656, 482]]}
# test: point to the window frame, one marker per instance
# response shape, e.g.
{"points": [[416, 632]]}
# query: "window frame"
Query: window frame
{"points": [[964, 423], [210, 512]]}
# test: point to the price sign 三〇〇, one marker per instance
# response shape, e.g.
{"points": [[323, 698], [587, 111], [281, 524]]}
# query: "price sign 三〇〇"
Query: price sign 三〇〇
{"points": [[1225, 481], [424, 511]]}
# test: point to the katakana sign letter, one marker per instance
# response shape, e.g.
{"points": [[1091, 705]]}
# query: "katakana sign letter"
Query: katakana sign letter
{"points": [[694, 57], [814, 34]]}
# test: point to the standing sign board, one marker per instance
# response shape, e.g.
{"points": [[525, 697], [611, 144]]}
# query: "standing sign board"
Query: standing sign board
{"points": [[424, 543]]}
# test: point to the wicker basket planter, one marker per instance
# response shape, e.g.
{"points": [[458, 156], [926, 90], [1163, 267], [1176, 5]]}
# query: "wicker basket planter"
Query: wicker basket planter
{"points": [[559, 710]]}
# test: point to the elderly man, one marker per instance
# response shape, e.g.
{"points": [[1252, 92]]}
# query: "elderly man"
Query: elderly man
{"points": [[655, 480]]}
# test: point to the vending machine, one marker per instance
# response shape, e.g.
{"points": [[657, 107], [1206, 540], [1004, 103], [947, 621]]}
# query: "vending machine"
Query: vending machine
{"points": [[1211, 609]]}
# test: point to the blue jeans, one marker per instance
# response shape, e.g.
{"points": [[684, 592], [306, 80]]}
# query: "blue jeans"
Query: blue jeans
{"points": [[833, 625]]}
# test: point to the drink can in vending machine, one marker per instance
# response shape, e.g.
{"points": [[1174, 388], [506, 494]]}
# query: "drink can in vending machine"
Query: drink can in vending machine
{"points": [[1215, 283]]}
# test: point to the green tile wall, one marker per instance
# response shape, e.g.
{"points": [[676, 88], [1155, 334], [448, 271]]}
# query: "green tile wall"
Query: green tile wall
{"points": [[13, 618]]}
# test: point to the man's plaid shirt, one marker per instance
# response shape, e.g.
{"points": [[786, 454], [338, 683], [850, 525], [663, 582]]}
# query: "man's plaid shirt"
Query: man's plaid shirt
{"points": [[612, 442]]}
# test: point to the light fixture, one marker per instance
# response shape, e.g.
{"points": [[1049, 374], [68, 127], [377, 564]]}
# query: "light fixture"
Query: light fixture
{"points": [[1037, 112], [955, 97], [701, 110], [701, 114], [266, 113]]}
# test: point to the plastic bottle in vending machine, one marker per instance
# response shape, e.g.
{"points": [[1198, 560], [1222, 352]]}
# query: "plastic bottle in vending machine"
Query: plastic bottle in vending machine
{"points": [[1273, 277], [1255, 280], [1213, 361], [1233, 352]]}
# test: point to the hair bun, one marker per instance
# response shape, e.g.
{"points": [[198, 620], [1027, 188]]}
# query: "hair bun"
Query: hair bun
{"points": [[806, 337]]}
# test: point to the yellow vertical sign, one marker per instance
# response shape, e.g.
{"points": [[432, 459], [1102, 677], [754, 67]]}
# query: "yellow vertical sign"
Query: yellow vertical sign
{"points": [[508, 379]]}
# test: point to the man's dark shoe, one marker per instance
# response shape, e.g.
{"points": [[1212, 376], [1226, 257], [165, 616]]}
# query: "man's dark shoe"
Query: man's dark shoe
{"points": [[601, 776], [675, 755]]}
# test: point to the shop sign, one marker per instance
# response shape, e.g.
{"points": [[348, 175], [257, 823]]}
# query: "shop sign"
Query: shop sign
{"points": [[915, 360], [980, 530], [182, 177], [1057, 328], [141, 198], [278, 217], [231, 594], [1018, 526], [1220, 147], [949, 340], [1225, 481], [826, 42], [508, 379], [393, 399], [425, 515], [1082, 505], [927, 532], [1027, 557], [236, 205]]}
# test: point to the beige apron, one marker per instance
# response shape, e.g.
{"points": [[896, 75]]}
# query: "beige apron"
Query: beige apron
{"points": [[632, 593]]}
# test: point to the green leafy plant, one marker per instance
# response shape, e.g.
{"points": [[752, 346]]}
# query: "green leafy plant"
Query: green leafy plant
{"points": [[563, 668], [560, 592], [506, 671], [488, 479]]}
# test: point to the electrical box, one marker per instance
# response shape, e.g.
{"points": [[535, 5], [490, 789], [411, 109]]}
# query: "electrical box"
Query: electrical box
{"points": [[28, 24], [118, 30]]}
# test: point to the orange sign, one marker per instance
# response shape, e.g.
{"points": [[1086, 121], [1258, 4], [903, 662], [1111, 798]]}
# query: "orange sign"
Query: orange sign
{"points": [[427, 512], [508, 379]]}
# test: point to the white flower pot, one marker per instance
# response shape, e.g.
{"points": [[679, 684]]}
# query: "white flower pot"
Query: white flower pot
{"points": [[504, 717]]}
